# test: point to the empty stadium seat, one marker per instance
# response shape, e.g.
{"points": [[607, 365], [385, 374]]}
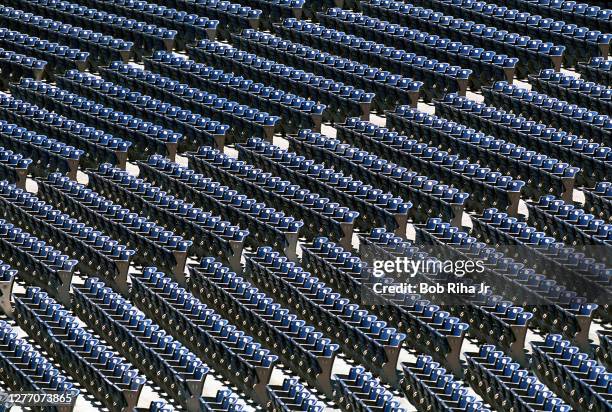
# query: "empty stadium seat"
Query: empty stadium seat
{"points": [[490, 318], [569, 117], [597, 69], [300, 346], [320, 215], [340, 100], [539, 173], [598, 200], [152, 243], [293, 396], [438, 78], [427, 195], [359, 390], [578, 379], [361, 335], [579, 42], [14, 167], [102, 49], [144, 37], [15, 66], [573, 90], [95, 253], [189, 27], [427, 384], [97, 146], [295, 111], [58, 57], [25, 369], [427, 327], [220, 344], [231, 16], [502, 383], [533, 54], [485, 65], [243, 120], [165, 361], [147, 137], [592, 158], [389, 88], [46, 155], [375, 207], [589, 15], [196, 129], [482, 184], [113, 382]]}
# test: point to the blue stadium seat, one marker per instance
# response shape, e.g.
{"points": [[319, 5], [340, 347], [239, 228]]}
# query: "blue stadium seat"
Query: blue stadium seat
{"points": [[360, 334], [36, 262], [483, 185], [375, 207], [604, 350], [389, 88], [231, 16], [244, 121], [427, 384], [227, 349], [25, 369], [276, 10], [340, 100], [189, 27], [144, 37], [563, 220], [146, 137], [490, 317], [533, 54], [300, 346], [267, 226], [573, 90], [113, 382], [320, 215], [427, 327], [358, 390], [555, 308], [575, 376], [579, 42], [486, 66], [541, 174], [293, 396], [224, 400], [95, 253], [566, 266], [295, 111], [176, 370], [102, 49], [7, 279], [589, 15], [97, 146], [597, 69], [592, 158], [207, 232], [569, 117], [46, 155], [15, 66], [503, 384], [59, 58], [14, 167], [196, 129], [598, 200], [430, 198], [152, 243], [438, 78]]}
